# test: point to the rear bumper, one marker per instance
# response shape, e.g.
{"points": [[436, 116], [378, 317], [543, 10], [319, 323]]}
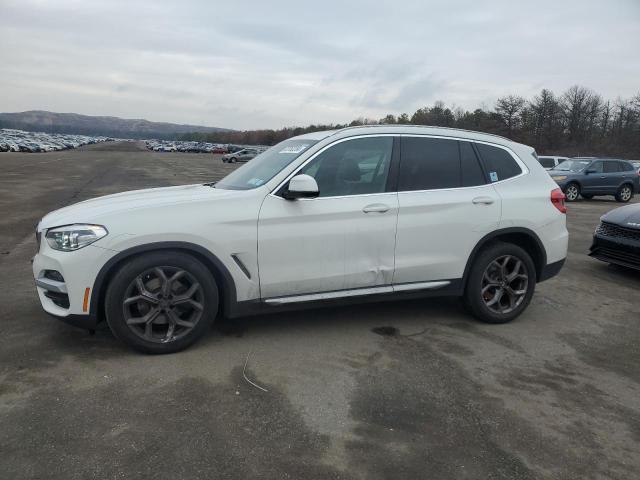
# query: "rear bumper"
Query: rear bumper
{"points": [[617, 251], [551, 270]]}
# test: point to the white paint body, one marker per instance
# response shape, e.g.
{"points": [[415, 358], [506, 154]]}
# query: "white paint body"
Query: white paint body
{"points": [[383, 242]]}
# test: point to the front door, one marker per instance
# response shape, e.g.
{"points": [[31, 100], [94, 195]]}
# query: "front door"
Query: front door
{"points": [[342, 240]]}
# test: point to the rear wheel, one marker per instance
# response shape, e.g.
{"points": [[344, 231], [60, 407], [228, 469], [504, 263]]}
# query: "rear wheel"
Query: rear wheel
{"points": [[161, 302], [501, 283], [572, 191], [625, 192]]}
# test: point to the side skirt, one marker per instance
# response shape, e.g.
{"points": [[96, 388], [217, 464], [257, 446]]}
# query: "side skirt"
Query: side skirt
{"points": [[408, 291]]}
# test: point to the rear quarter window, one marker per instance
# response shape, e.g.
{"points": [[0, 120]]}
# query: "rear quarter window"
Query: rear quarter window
{"points": [[498, 163]]}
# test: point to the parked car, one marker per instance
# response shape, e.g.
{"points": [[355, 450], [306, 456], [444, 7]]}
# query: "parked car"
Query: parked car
{"points": [[600, 176], [219, 150], [549, 163], [240, 156], [363, 212], [636, 165], [617, 237]]}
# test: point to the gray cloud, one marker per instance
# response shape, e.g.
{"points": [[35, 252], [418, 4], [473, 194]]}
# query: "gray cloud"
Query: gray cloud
{"points": [[270, 64]]}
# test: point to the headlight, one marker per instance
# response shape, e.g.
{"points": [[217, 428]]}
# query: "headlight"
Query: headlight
{"points": [[558, 178], [73, 237]]}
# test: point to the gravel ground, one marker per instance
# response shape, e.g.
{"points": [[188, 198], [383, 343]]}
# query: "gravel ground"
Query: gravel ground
{"points": [[554, 394]]}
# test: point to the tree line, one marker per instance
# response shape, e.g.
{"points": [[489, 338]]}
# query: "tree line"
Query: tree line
{"points": [[576, 122]]}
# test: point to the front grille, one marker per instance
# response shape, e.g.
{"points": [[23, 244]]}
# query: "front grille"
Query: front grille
{"points": [[615, 231]]}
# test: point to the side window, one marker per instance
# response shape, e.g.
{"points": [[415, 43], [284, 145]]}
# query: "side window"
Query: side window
{"points": [[596, 167], [611, 167], [499, 163], [353, 167], [625, 167], [429, 163], [471, 170], [546, 162]]}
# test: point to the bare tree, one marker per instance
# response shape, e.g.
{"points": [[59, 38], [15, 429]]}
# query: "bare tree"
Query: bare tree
{"points": [[508, 109]]}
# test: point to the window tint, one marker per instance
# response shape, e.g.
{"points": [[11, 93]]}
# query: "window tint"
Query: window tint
{"points": [[546, 162], [596, 167], [429, 163], [498, 162], [611, 167], [472, 173], [626, 167], [353, 167]]}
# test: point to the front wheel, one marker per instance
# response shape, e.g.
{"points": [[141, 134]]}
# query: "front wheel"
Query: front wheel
{"points": [[625, 192], [161, 302], [572, 191], [501, 283], [233, 160]]}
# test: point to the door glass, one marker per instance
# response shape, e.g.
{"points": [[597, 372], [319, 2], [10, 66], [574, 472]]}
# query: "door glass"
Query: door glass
{"points": [[472, 174], [596, 167], [353, 167], [429, 163]]}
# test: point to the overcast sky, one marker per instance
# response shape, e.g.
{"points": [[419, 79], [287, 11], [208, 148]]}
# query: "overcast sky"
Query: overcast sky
{"points": [[278, 63]]}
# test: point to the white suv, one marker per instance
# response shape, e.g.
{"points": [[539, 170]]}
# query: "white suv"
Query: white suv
{"points": [[365, 212]]}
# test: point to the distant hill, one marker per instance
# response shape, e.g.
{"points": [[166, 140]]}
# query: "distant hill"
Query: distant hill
{"points": [[51, 122]]}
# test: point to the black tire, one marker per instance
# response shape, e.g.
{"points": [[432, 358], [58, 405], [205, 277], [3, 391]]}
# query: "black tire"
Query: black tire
{"points": [[188, 301], [586, 196], [624, 193], [478, 295], [572, 192], [233, 160]]}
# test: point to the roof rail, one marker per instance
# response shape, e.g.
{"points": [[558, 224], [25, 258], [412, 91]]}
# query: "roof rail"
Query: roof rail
{"points": [[409, 125]]}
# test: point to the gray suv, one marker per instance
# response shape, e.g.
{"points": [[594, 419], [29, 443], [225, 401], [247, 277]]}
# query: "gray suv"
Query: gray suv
{"points": [[588, 177], [243, 155]]}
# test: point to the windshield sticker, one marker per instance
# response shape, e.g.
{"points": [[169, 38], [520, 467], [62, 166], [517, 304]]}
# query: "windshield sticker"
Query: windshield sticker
{"points": [[294, 148], [493, 176]]}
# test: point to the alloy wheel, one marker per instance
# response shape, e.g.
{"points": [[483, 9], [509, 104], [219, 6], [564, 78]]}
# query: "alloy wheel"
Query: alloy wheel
{"points": [[163, 304], [625, 194], [572, 193], [504, 284]]}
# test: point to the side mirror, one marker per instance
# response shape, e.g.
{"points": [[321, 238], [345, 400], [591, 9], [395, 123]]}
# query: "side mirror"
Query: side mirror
{"points": [[301, 186]]}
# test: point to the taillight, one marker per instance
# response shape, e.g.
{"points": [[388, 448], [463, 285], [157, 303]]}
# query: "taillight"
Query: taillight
{"points": [[557, 198]]}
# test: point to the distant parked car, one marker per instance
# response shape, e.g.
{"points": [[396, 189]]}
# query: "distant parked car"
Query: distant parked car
{"points": [[550, 163], [240, 156], [601, 176], [4, 147], [219, 150], [617, 238]]}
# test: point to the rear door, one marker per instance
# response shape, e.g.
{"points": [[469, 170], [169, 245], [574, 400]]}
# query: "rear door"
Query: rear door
{"points": [[612, 171], [446, 205]]}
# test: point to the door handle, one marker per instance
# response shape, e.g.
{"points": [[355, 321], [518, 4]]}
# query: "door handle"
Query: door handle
{"points": [[376, 208], [482, 200]]}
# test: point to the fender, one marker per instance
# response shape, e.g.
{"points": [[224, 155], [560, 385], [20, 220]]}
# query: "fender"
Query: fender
{"points": [[213, 263], [540, 262]]}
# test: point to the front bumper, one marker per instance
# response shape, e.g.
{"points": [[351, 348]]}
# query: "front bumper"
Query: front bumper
{"points": [[69, 298], [620, 251]]}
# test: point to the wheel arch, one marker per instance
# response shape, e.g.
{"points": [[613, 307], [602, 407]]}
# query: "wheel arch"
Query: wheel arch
{"points": [[218, 270], [523, 237]]}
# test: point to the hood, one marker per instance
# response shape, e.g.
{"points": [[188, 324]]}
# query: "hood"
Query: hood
{"points": [[627, 216], [90, 211], [562, 172]]}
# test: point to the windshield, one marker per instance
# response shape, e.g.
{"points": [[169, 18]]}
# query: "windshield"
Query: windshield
{"points": [[573, 165], [265, 166]]}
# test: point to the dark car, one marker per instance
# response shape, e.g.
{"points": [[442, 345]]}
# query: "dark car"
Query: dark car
{"points": [[589, 177], [617, 238]]}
